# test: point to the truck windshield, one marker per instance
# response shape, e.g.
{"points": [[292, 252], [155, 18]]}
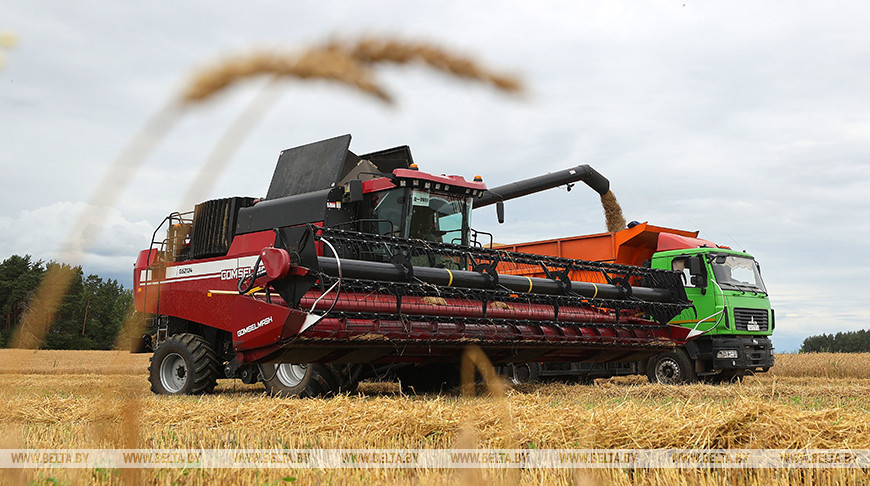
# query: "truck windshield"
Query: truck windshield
{"points": [[738, 272]]}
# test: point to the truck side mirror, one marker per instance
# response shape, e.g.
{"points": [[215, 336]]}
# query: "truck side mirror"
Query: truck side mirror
{"points": [[698, 271], [499, 211]]}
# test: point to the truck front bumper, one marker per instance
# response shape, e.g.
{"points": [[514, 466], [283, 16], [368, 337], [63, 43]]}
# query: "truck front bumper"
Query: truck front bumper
{"points": [[742, 352]]}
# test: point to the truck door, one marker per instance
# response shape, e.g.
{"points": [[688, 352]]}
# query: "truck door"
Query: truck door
{"points": [[704, 313]]}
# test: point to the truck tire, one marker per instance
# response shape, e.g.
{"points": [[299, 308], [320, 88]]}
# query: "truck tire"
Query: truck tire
{"points": [[519, 373], [184, 364], [308, 380], [671, 368]]}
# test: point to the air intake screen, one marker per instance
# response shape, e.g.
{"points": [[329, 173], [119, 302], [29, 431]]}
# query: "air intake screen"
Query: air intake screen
{"points": [[214, 223]]}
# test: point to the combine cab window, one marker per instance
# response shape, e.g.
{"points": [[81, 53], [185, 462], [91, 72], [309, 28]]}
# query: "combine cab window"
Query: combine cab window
{"points": [[443, 218], [387, 213], [439, 217]]}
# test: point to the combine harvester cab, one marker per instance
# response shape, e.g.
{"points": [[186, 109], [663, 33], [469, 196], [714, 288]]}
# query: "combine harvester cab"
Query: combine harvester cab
{"points": [[354, 265]]}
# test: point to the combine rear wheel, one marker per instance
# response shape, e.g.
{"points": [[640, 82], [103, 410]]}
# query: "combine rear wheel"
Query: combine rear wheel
{"points": [[671, 368], [308, 380], [184, 364]]}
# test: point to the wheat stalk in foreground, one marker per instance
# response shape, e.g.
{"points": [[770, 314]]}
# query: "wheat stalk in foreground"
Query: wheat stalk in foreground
{"points": [[345, 62], [348, 63], [371, 50], [314, 63]]}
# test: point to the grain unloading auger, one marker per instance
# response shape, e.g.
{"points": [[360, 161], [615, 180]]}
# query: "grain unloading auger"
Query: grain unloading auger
{"points": [[353, 265]]}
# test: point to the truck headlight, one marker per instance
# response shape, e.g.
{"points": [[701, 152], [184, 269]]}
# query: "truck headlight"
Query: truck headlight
{"points": [[727, 354]]}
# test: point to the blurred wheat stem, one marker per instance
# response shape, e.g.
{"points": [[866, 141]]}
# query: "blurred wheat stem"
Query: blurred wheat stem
{"points": [[474, 359], [8, 39], [314, 63], [216, 162], [371, 50], [86, 228], [340, 62]]}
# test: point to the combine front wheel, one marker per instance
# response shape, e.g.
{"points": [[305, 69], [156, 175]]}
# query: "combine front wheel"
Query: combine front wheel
{"points": [[184, 364], [307, 380], [671, 368]]}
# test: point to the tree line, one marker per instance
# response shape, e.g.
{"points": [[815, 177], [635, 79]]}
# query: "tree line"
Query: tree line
{"points": [[90, 314], [842, 342]]}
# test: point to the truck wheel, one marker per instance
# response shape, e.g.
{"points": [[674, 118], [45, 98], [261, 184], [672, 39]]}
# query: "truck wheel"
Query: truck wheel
{"points": [[184, 364], [519, 373], [671, 368], [308, 380]]}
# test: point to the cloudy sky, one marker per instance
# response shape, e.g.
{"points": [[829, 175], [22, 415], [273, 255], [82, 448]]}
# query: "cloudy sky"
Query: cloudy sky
{"points": [[748, 121]]}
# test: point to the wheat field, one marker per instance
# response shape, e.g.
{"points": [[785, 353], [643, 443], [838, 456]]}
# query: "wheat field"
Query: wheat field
{"points": [[101, 399]]}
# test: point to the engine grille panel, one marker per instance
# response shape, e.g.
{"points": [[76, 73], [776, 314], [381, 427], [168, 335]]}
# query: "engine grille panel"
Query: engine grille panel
{"points": [[751, 319]]}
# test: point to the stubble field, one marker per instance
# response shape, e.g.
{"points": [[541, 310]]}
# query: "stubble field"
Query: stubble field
{"points": [[95, 400]]}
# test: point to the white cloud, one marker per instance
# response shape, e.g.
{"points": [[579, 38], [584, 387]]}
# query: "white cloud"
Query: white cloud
{"points": [[46, 233]]}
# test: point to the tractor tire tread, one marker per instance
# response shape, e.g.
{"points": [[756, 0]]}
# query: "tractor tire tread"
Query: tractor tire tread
{"points": [[203, 363], [321, 380]]}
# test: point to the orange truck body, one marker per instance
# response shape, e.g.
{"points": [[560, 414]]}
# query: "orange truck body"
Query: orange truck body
{"points": [[631, 246]]}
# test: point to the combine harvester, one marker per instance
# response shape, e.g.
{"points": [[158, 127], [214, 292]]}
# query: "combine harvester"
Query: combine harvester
{"points": [[356, 266], [730, 305]]}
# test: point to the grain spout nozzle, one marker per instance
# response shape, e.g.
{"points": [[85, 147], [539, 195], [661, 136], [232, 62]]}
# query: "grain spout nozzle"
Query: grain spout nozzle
{"points": [[513, 190]]}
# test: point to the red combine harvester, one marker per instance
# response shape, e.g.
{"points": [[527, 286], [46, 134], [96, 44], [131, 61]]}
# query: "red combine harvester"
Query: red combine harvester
{"points": [[360, 266]]}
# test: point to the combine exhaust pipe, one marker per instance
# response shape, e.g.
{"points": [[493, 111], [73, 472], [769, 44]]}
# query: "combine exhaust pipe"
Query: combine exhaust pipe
{"points": [[513, 190]]}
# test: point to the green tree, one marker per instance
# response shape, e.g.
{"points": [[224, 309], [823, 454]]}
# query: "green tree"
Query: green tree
{"points": [[841, 342], [89, 316], [19, 278], [105, 307], [64, 329]]}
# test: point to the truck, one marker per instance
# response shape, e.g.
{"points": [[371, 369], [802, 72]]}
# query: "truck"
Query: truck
{"points": [[354, 267], [730, 313]]}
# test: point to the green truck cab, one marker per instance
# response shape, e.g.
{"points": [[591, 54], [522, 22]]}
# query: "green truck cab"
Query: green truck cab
{"points": [[729, 305]]}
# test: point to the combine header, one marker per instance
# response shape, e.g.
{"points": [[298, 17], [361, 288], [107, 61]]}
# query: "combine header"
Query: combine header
{"points": [[360, 265]]}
